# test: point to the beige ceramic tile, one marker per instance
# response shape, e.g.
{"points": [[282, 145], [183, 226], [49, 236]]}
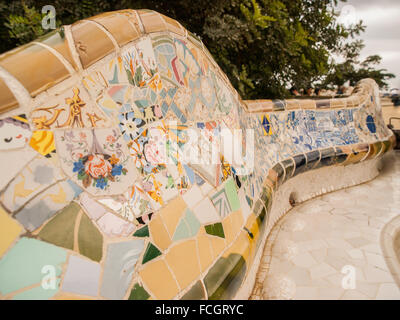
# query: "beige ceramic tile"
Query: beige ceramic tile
{"points": [[156, 273], [9, 231], [183, 261], [159, 233], [205, 251], [172, 213]]}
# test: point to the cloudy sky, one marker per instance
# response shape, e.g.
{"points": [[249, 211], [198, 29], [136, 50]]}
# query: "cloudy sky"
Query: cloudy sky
{"points": [[382, 35]]}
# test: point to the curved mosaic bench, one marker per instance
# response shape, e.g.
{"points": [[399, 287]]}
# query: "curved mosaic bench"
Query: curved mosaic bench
{"points": [[90, 206]]}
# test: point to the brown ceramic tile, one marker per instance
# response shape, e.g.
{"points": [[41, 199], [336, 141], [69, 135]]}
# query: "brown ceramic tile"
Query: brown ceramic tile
{"points": [[252, 105], [91, 42], [307, 104], [292, 104], [173, 25], [133, 18], [118, 25], [266, 105], [323, 103], [339, 103], [7, 99], [58, 42], [26, 65], [152, 21]]}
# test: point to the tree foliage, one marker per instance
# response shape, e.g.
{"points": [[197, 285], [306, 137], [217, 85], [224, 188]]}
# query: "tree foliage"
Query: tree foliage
{"points": [[263, 46]]}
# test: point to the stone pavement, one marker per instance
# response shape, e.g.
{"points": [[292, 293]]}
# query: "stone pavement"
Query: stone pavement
{"points": [[322, 241], [388, 112]]}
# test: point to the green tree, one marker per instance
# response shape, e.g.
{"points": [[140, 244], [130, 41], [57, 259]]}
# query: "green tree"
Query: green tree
{"points": [[263, 46], [353, 70]]}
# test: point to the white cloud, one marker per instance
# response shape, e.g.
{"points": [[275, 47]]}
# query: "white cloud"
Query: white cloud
{"points": [[382, 36]]}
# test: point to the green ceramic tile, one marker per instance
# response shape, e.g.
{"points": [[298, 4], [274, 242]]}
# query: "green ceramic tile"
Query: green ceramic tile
{"points": [[225, 277], [90, 240], [215, 229], [231, 193], [195, 293], [22, 265], [138, 293], [142, 232], [38, 293], [187, 227], [150, 253], [182, 231], [60, 230], [192, 222]]}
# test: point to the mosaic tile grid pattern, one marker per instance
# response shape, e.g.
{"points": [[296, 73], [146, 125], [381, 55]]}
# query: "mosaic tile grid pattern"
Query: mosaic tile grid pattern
{"points": [[89, 207]]}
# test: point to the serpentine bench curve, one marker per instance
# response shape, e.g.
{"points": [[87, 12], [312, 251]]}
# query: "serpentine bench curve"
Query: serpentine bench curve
{"points": [[97, 201]]}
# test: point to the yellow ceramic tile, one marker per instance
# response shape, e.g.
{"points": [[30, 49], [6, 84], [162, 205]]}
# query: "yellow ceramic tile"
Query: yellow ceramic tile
{"points": [[159, 280], [9, 231], [172, 213], [205, 251], [252, 226], [159, 233], [183, 261], [237, 221], [228, 230], [241, 246], [42, 141], [218, 244]]}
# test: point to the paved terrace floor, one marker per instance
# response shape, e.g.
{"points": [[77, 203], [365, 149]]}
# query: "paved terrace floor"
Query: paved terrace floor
{"points": [[309, 246], [391, 112]]}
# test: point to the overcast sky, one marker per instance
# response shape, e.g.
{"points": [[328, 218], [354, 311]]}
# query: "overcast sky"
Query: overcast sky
{"points": [[382, 35]]}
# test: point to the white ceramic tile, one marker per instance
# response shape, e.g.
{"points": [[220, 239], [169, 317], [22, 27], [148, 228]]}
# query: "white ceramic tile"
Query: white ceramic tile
{"points": [[205, 212]]}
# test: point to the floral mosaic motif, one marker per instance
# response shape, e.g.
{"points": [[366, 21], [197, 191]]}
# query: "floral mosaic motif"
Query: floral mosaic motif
{"points": [[97, 160], [132, 123], [141, 67], [99, 169]]}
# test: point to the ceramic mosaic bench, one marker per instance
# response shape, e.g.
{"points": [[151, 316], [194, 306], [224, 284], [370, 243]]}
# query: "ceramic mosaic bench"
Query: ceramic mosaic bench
{"points": [[96, 200]]}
